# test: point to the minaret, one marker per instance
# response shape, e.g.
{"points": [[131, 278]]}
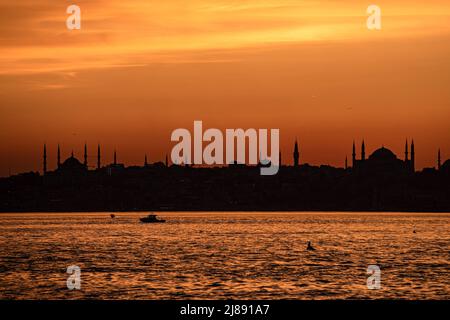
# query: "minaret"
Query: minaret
{"points": [[413, 157], [58, 156], [85, 156], [98, 157], [145, 161], [439, 159], [45, 158], [346, 164], [296, 154], [406, 151], [354, 155], [363, 151], [115, 157], [167, 161]]}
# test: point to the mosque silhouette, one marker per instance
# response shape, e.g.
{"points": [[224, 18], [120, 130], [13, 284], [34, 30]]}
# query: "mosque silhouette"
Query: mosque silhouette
{"points": [[379, 182]]}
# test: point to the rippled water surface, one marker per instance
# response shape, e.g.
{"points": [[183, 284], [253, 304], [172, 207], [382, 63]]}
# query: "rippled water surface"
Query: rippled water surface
{"points": [[225, 255]]}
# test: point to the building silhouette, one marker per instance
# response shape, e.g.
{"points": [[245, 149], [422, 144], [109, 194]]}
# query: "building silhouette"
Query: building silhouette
{"points": [[384, 160], [379, 182]]}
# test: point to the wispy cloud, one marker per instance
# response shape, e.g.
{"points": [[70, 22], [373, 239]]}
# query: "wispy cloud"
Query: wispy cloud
{"points": [[129, 33]]}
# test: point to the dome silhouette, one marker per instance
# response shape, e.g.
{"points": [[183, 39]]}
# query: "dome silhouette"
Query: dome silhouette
{"points": [[72, 164], [446, 166], [383, 154]]}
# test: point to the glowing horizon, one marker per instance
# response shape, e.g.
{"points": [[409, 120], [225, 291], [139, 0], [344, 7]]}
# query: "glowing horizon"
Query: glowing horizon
{"points": [[138, 70]]}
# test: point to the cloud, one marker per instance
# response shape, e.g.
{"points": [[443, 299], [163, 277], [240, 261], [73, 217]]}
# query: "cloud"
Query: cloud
{"points": [[34, 39]]}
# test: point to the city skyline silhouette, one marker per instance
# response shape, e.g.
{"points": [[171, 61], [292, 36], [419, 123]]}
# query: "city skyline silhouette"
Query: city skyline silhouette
{"points": [[224, 159], [372, 181], [93, 155]]}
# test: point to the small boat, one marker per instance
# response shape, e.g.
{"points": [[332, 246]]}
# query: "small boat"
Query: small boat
{"points": [[151, 218], [112, 215]]}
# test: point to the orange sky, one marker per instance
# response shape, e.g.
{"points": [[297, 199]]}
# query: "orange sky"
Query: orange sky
{"points": [[139, 69]]}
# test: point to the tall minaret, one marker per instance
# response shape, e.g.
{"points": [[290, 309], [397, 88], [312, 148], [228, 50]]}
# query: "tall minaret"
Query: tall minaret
{"points": [[85, 155], [115, 157], [363, 151], [98, 156], [145, 161], [413, 157], [279, 159], [439, 159], [167, 161], [296, 154], [346, 163], [58, 156], [354, 155], [45, 158], [406, 151]]}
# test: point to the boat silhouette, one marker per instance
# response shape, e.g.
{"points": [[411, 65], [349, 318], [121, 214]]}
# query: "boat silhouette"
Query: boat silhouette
{"points": [[151, 218]]}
